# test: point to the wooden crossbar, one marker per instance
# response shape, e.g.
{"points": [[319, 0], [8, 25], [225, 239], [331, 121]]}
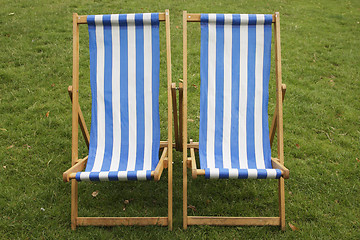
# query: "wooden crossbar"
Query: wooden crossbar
{"points": [[125, 221], [234, 221]]}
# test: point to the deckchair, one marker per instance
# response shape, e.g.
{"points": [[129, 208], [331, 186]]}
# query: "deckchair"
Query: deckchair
{"points": [[124, 141], [234, 138]]}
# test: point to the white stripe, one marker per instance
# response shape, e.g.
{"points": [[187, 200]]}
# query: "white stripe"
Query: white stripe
{"points": [[100, 61], [227, 91], [85, 176], [271, 173], [243, 92], [132, 91], [148, 91], [252, 173], [122, 176], [211, 92], [214, 173], [104, 176], [115, 92], [233, 173], [259, 58], [141, 175]]}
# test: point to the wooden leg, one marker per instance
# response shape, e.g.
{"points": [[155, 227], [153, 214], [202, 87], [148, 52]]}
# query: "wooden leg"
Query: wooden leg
{"points": [[282, 203], [184, 120], [184, 195], [170, 196], [74, 203]]}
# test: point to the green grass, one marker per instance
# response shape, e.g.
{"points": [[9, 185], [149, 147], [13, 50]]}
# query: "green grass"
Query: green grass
{"points": [[320, 58]]}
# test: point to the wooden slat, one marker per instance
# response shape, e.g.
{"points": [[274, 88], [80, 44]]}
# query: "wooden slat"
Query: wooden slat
{"points": [[175, 117], [84, 129], [279, 118], [180, 114], [125, 221], [82, 19], [278, 90], [234, 221], [194, 145], [164, 144], [75, 112], [193, 162], [160, 166], [200, 171], [170, 145], [274, 120], [196, 17], [184, 120]]}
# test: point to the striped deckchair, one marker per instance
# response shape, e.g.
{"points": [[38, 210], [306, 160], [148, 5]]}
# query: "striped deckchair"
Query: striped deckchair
{"points": [[234, 138], [124, 141]]}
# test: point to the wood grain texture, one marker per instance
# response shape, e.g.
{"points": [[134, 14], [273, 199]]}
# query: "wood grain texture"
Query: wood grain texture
{"points": [[125, 221], [234, 221], [184, 120]]}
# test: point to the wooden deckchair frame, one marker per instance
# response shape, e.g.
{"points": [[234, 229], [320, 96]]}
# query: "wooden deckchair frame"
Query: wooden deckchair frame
{"points": [[277, 125], [79, 164]]}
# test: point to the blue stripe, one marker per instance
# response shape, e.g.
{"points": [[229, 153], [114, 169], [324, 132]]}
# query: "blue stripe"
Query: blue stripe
{"points": [[124, 113], [261, 174], [108, 94], [250, 141], [219, 92], [252, 20], [131, 175], [278, 173], [207, 173], [203, 89], [268, 19], [236, 20], [243, 174], [93, 63], [113, 176], [224, 173], [266, 76], [140, 112], [77, 177], [94, 176], [235, 85], [155, 88], [148, 175]]}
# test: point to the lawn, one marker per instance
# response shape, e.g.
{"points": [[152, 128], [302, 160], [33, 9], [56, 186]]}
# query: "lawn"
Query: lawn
{"points": [[320, 60]]}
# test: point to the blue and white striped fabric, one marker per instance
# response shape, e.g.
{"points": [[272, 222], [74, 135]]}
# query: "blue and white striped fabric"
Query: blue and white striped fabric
{"points": [[124, 78], [235, 70]]}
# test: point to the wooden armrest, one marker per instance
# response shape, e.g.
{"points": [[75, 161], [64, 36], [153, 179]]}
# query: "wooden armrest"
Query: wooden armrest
{"points": [[277, 165], [77, 167]]}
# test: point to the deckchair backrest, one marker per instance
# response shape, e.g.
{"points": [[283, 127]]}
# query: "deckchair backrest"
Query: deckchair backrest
{"points": [[124, 78], [235, 70]]}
